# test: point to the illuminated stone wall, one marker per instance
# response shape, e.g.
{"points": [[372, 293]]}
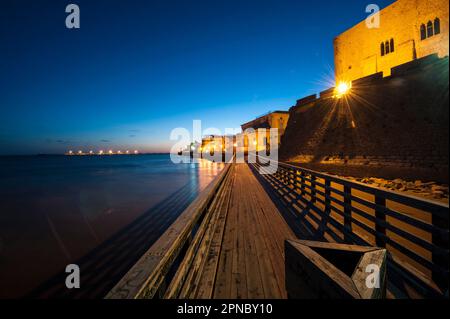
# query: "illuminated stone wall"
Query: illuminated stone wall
{"points": [[397, 123], [277, 119], [358, 50]]}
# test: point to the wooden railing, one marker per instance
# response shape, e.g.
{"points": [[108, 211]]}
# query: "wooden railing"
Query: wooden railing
{"points": [[152, 275], [415, 231]]}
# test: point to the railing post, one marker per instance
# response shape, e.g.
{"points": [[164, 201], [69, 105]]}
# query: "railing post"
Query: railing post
{"points": [[292, 178], [380, 216], [282, 172], [439, 259], [327, 197], [302, 183], [347, 212], [313, 189]]}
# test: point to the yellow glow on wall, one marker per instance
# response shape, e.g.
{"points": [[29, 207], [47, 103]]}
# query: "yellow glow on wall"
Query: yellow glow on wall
{"points": [[342, 89]]}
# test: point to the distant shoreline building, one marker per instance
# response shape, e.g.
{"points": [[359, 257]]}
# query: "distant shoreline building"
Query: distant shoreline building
{"points": [[272, 120], [409, 30]]}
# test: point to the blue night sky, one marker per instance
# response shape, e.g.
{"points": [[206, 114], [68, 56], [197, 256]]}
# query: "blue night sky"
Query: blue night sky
{"points": [[138, 69]]}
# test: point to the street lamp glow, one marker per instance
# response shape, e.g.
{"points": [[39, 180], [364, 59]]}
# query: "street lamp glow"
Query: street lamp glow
{"points": [[342, 89], [110, 151], [101, 152]]}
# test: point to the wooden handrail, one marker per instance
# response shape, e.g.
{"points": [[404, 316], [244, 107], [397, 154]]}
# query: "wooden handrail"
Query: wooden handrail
{"points": [[421, 203], [148, 275], [371, 212]]}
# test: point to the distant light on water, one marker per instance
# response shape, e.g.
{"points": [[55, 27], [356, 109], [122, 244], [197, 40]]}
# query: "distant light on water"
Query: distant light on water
{"points": [[101, 152]]}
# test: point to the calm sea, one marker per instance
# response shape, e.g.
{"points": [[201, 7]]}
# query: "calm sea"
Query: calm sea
{"points": [[99, 212]]}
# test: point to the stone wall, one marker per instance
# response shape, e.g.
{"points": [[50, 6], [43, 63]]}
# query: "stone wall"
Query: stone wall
{"points": [[388, 127], [358, 50]]}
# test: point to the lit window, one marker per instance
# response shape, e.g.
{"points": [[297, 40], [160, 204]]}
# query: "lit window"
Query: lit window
{"points": [[437, 26], [429, 29], [423, 32]]}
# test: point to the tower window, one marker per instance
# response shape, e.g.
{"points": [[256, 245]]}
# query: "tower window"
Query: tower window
{"points": [[437, 26], [429, 29], [423, 32], [387, 47]]}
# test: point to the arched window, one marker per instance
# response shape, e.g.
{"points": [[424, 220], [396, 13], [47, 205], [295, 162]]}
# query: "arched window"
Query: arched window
{"points": [[386, 47], [423, 32], [392, 45], [382, 49], [429, 29], [437, 26]]}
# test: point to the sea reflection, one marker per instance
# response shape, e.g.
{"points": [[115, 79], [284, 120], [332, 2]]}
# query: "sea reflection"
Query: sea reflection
{"points": [[100, 212]]}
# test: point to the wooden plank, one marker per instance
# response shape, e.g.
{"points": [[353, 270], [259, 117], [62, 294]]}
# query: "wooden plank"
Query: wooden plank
{"points": [[254, 280], [196, 271], [147, 274], [222, 287], [238, 278], [193, 259], [264, 251], [274, 232], [207, 278], [303, 263]]}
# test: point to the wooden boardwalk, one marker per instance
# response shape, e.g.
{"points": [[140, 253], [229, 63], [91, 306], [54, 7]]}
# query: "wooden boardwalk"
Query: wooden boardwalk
{"points": [[245, 258], [230, 242]]}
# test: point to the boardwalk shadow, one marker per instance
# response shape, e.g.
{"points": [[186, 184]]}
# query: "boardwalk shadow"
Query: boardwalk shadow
{"points": [[291, 216]]}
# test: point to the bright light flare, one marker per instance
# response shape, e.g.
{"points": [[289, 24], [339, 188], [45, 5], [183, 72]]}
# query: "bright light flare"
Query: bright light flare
{"points": [[342, 89]]}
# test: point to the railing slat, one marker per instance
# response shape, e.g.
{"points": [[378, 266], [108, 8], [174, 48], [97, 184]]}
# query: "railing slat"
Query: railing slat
{"points": [[302, 184]]}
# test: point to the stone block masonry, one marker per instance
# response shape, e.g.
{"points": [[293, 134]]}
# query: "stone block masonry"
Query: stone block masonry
{"points": [[396, 125]]}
